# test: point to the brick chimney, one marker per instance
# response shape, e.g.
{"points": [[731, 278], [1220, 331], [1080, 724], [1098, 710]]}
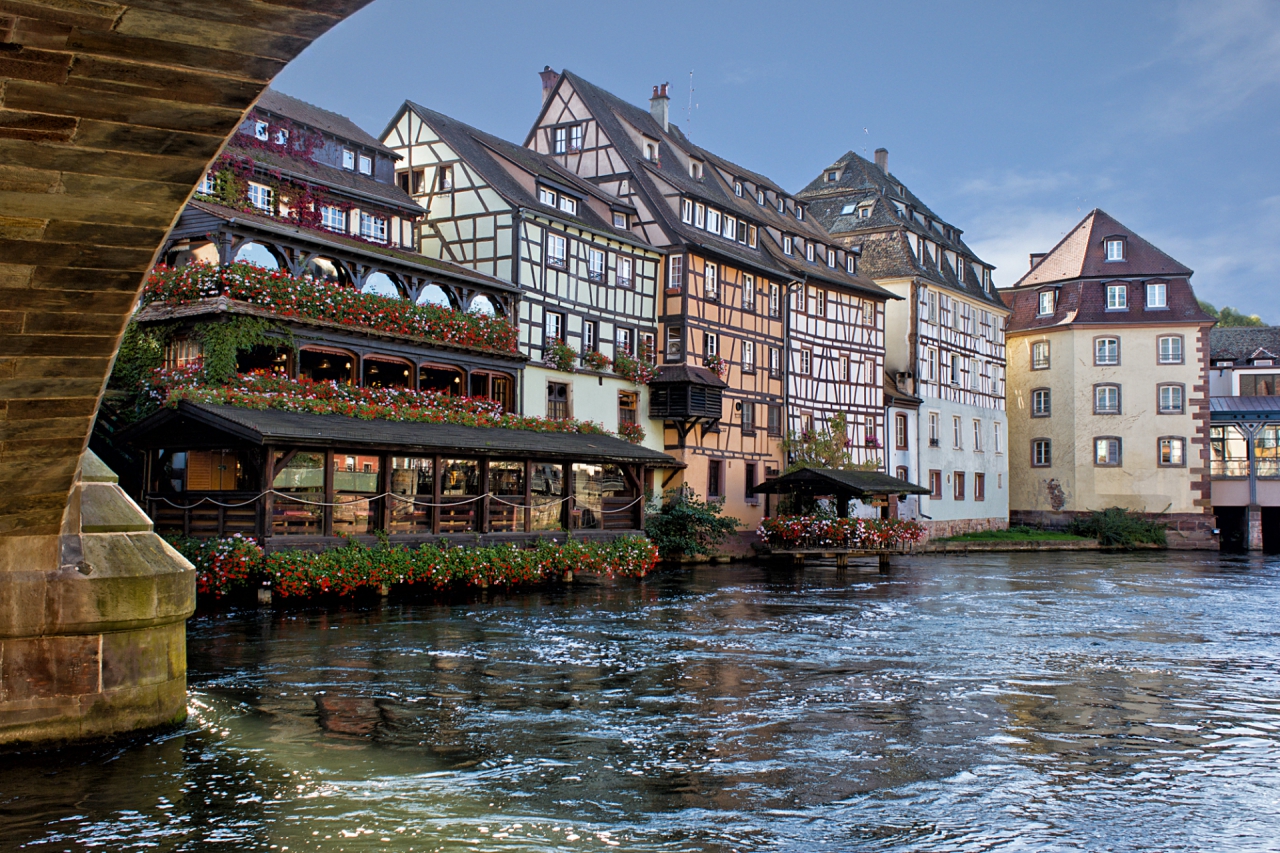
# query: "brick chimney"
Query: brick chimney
{"points": [[660, 106], [882, 159], [549, 80], [1037, 257]]}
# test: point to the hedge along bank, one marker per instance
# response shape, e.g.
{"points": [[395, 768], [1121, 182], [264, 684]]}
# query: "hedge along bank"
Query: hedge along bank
{"points": [[226, 565]]}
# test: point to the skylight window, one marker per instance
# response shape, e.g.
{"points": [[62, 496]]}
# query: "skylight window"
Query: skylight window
{"points": [[848, 209]]}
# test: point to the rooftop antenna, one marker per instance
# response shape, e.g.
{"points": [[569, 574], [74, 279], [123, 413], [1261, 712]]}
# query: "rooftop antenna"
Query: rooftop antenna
{"points": [[688, 113]]}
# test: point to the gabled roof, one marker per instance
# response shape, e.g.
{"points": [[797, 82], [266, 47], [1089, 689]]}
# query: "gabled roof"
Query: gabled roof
{"points": [[838, 481], [712, 189], [485, 153], [275, 101], [1082, 254], [1241, 343], [678, 374]]}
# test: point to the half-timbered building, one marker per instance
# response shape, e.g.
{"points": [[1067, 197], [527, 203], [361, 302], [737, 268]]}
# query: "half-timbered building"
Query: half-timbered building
{"points": [[754, 292], [946, 337], [588, 282]]}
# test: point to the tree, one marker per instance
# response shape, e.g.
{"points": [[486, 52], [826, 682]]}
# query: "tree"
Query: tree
{"points": [[686, 525], [1229, 316], [824, 447]]}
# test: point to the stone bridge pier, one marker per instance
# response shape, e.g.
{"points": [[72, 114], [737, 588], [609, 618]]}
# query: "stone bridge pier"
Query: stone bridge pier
{"points": [[110, 112]]}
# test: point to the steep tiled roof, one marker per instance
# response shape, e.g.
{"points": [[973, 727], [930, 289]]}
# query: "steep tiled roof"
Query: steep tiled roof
{"points": [[275, 101], [1085, 301], [344, 181], [712, 188], [886, 253], [1238, 343], [1082, 254], [484, 152]]}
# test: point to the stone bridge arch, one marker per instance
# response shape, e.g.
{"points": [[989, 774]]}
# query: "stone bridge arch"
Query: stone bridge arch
{"points": [[110, 112]]}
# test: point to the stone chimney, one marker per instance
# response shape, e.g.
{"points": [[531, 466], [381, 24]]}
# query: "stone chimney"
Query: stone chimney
{"points": [[882, 159], [549, 80], [1036, 258], [660, 106]]}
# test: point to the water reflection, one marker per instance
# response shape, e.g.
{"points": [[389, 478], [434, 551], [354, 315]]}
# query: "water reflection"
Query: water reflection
{"points": [[986, 703]]}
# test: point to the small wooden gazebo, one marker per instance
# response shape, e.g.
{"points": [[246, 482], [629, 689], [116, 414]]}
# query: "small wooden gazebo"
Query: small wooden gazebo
{"points": [[842, 486]]}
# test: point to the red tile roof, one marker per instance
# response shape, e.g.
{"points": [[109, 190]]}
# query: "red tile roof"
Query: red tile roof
{"points": [[1082, 254]]}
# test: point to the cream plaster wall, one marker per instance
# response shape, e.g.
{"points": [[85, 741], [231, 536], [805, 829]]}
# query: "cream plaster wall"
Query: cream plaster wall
{"points": [[592, 397]]}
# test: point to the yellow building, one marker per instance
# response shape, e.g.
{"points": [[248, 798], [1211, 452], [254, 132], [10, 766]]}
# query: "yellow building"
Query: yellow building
{"points": [[1108, 393]]}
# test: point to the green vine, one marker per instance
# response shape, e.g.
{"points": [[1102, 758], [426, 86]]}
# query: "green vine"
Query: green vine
{"points": [[223, 342]]}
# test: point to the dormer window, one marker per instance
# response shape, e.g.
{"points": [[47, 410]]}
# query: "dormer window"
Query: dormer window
{"points": [[832, 177], [569, 205], [619, 220], [695, 170], [207, 184], [1157, 295], [737, 188], [1117, 297], [851, 264], [282, 137], [782, 204], [800, 213], [760, 197], [831, 258], [787, 248], [686, 211], [546, 196], [348, 159], [1115, 248], [261, 131], [624, 188], [445, 178], [808, 252], [986, 279], [650, 152], [1046, 303], [366, 165], [700, 215]]}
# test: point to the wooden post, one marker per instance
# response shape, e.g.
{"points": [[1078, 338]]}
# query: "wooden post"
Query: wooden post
{"points": [[267, 505], [884, 564], [326, 525], [566, 506], [528, 496], [437, 476], [482, 511]]}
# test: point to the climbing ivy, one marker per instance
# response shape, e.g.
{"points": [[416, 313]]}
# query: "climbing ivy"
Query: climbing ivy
{"points": [[223, 342]]}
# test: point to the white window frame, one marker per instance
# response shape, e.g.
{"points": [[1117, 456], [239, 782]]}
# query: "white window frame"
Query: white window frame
{"points": [[977, 435], [207, 184], [710, 344], [1106, 399], [1036, 364], [261, 196], [806, 362], [1169, 349], [713, 220], [1117, 297], [569, 204], [699, 215], [333, 218], [1041, 403], [808, 251], [1041, 453], [686, 211], [1115, 248], [1046, 304], [366, 164], [553, 327], [576, 134], [788, 248], [711, 281], [749, 356], [1175, 394], [844, 368], [560, 140], [957, 432], [1106, 352], [547, 197], [1157, 295], [557, 250], [373, 227], [348, 159], [748, 292], [624, 340], [997, 445], [261, 131], [595, 264], [623, 274]]}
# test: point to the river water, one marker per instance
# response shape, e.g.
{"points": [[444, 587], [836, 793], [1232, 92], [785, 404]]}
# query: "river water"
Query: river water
{"points": [[1000, 702]]}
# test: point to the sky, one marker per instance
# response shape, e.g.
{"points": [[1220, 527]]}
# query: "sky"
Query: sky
{"points": [[1009, 120]]}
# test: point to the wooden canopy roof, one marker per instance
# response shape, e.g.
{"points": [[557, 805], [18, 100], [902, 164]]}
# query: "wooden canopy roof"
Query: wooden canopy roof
{"points": [[833, 481]]}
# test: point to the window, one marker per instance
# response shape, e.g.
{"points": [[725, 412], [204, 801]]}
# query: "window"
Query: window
{"points": [[1171, 399], [569, 205], [775, 420], [748, 292], [1106, 399], [1170, 349], [1106, 452], [808, 252], [710, 344], [590, 335], [207, 184], [819, 303], [1106, 351], [775, 300], [1040, 355], [748, 357], [934, 429], [806, 361], [624, 340], [648, 344], [775, 362], [851, 263], [975, 374], [1046, 303], [900, 431], [260, 196], [348, 159], [333, 218], [546, 196], [627, 404], [979, 486], [260, 130], [595, 264], [553, 326], [555, 250], [977, 436], [558, 401], [782, 204], [559, 140], [699, 215], [1115, 248], [748, 417], [619, 220], [832, 177], [686, 211], [935, 485], [933, 308], [444, 178], [957, 480], [373, 227], [996, 443], [831, 258], [751, 236], [1117, 297], [786, 246], [1040, 405], [737, 188], [742, 232], [624, 272], [675, 273], [711, 282], [749, 483], [714, 472], [844, 368], [1041, 455], [800, 212], [1171, 451], [955, 369], [933, 364], [575, 137], [957, 433], [675, 343], [713, 220], [366, 165], [730, 228], [695, 170], [1157, 295], [760, 197], [650, 152]]}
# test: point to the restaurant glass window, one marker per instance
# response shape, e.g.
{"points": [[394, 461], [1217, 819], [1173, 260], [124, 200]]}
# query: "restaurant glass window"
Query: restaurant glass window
{"points": [[1266, 451], [297, 506], [506, 506], [546, 487], [492, 386], [459, 495], [385, 373], [263, 359], [441, 379], [412, 488], [355, 485], [320, 364], [1228, 452]]}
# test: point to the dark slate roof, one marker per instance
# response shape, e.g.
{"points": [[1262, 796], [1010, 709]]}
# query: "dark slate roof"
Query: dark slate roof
{"points": [[1239, 343], [342, 181], [263, 426], [1081, 254], [882, 235], [1244, 408], [332, 239], [675, 374], [484, 152], [713, 189], [1086, 302], [275, 101], [895, 396], [856, 483]]}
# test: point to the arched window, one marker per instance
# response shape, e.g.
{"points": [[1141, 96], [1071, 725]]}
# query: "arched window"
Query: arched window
{"points": [[498, 387], [434, 294], [441, 378], [327, 269], [483, 303], [260, 255], [381, 284], [382, 372], [323, 364]]}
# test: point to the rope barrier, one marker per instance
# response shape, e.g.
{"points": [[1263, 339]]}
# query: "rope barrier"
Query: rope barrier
{"points": [[403, 498]]}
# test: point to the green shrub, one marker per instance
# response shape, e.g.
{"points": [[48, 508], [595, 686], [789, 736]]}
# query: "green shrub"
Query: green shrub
{"points": [[1119, 528], [686, 525]]}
